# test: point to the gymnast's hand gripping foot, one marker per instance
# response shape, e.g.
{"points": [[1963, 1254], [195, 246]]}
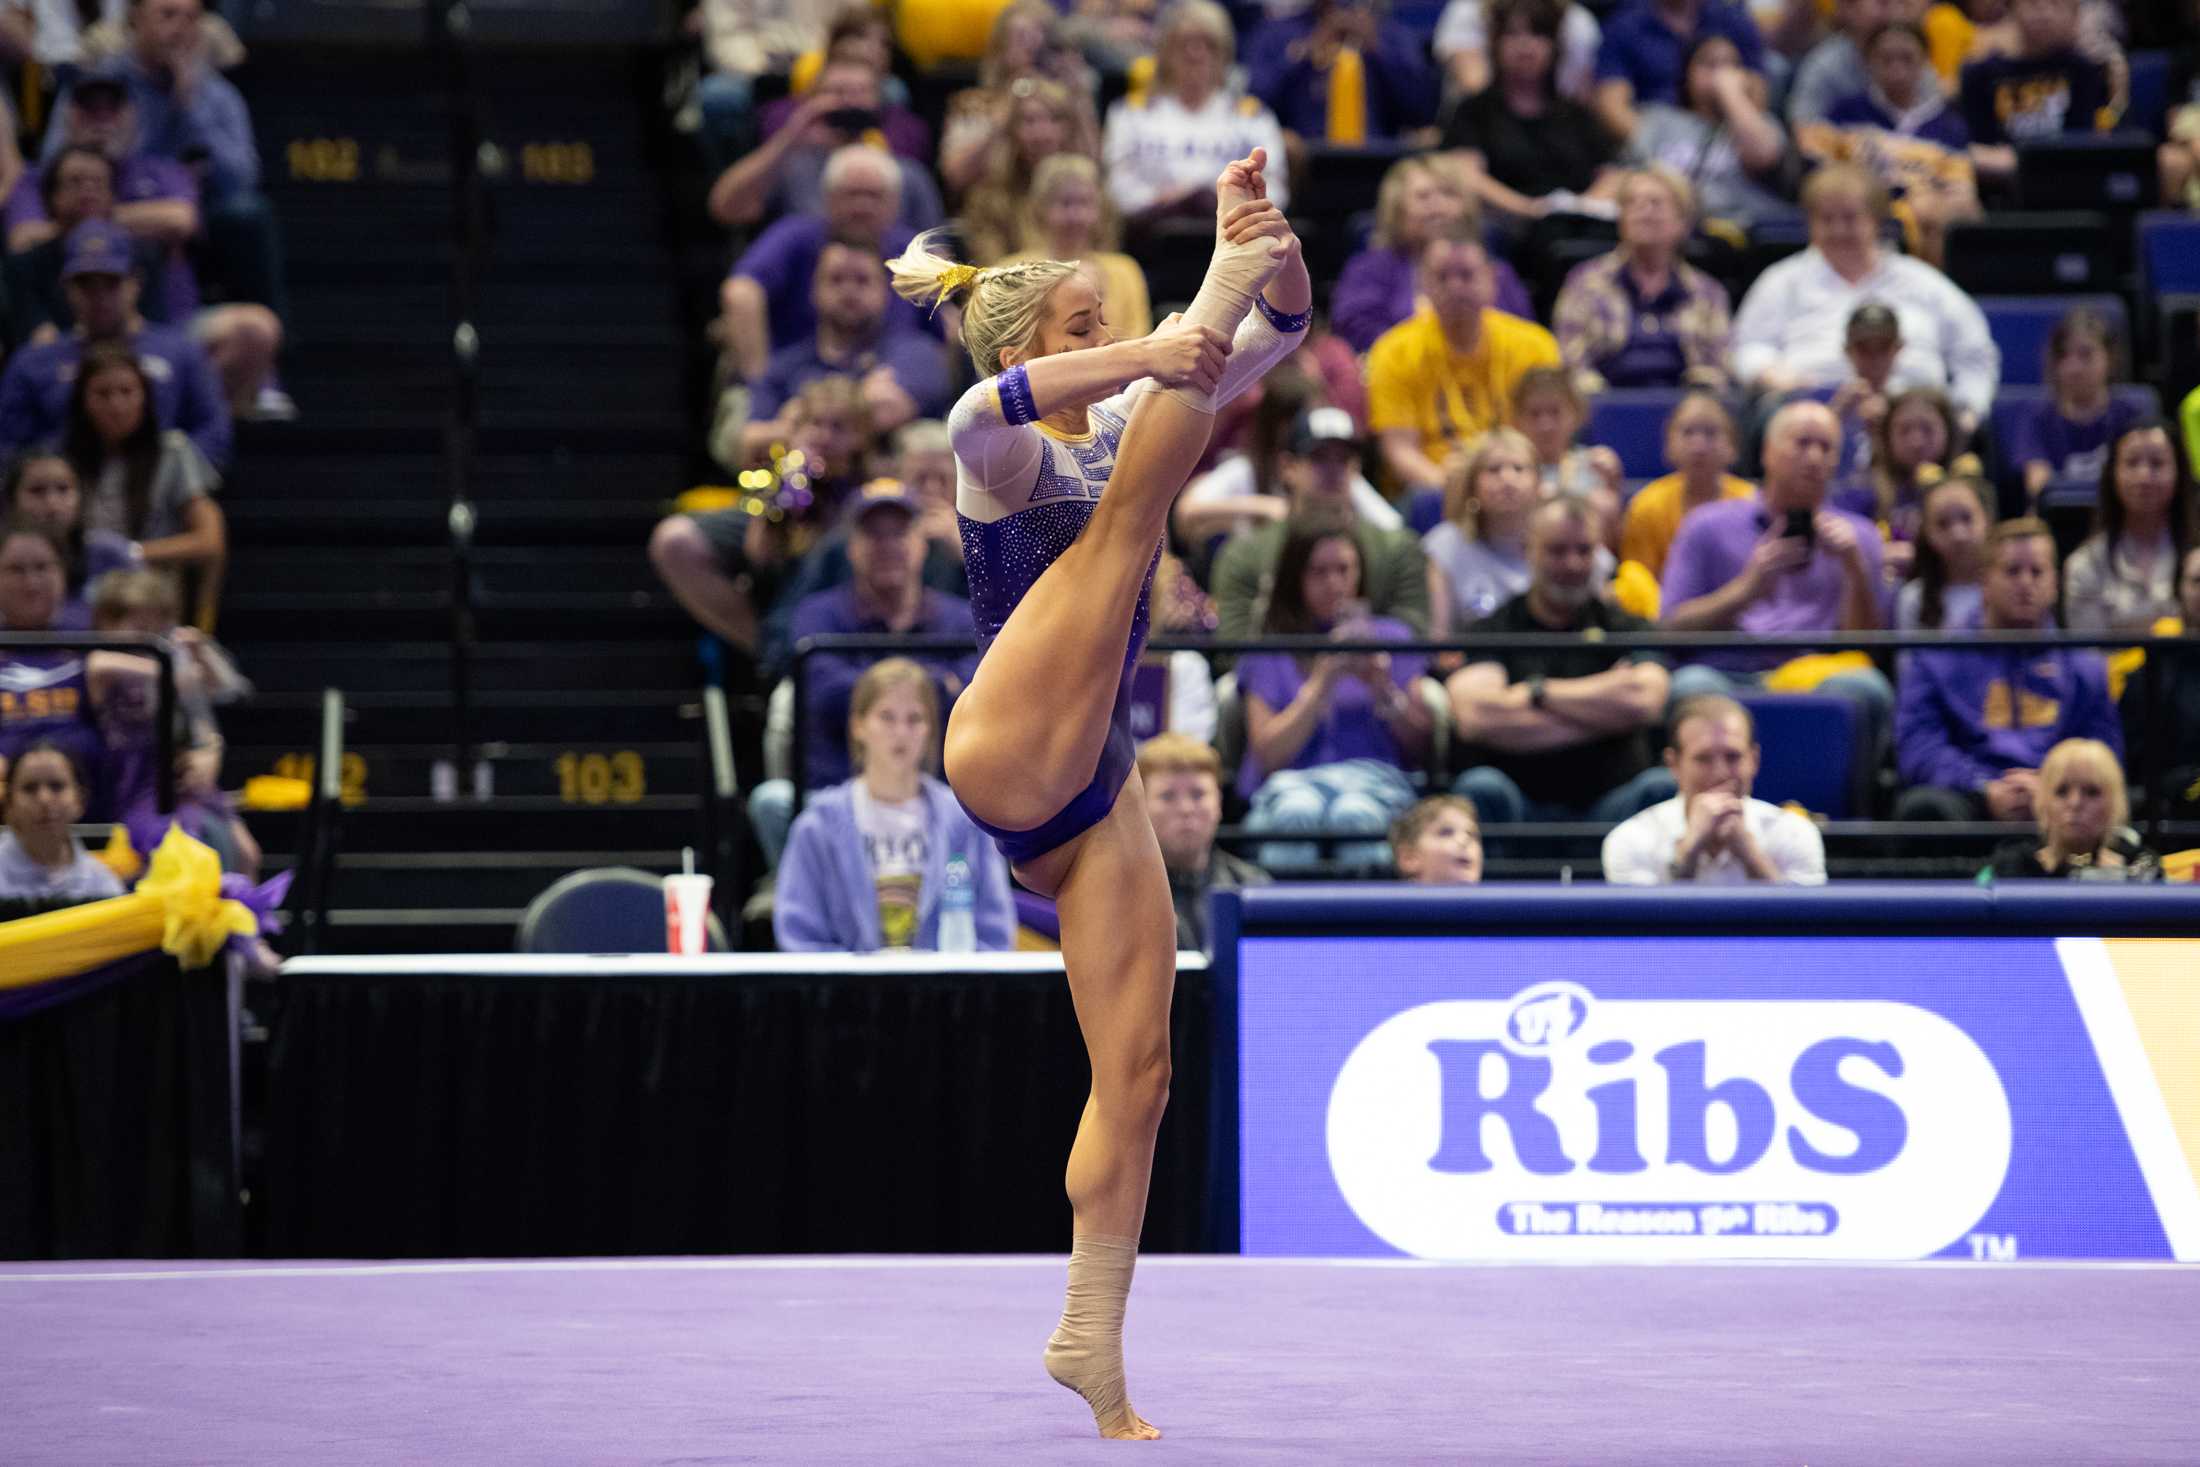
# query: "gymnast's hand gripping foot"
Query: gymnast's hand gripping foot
{"points": [[1068, 458]]}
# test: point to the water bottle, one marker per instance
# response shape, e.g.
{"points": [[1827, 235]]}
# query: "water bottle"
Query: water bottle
{"points": [[958, 908]]}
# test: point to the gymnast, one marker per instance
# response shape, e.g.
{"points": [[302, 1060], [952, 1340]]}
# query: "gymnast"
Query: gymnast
{"points": [[1038, 748]]}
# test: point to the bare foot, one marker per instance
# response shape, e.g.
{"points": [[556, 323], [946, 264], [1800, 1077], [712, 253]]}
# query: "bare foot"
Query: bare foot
{"points": [[1101, 1383]]}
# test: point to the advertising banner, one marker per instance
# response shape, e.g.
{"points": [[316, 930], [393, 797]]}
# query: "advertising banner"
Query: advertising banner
{"points": [[1681, 1097]]}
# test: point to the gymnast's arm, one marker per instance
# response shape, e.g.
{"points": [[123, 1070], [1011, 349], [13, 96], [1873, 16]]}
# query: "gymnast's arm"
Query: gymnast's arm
{"points": [[991, 425]]}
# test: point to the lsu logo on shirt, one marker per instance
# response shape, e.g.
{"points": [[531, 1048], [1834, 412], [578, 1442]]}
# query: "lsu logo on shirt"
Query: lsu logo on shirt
{"points": [[31, 694], [1557, 1125]]}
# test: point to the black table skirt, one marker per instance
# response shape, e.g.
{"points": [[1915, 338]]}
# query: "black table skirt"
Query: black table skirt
{"points": [[453, 1115], [117, 1119]]}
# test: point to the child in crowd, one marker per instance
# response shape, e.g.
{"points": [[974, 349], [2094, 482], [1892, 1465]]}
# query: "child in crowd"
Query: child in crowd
{"points": [[1873, 341], [1913, 450], [888, 860], [125, 690], [1438, 842], [1943, 588], [2067, 437], [1478, 557], [42, 489], [1551, 411], [40, 858], [1700, 445]]}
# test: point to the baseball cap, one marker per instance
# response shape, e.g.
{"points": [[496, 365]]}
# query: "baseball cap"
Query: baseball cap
{"points": [[96, 86], [1317, 426], [97, 247], [880, 494], [1873, 319]]}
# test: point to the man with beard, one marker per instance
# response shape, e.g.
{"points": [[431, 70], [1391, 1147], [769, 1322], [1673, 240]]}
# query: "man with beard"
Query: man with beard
{"points": [[1712, 833], [1562, 734]]}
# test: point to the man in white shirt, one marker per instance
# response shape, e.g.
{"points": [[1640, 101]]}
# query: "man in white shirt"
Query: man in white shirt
{"points": [[1792, 329], [1713, 833]]}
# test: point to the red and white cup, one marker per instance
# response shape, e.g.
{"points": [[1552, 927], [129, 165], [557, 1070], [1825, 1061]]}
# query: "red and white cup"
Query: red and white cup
{"points": [[687, 915]]}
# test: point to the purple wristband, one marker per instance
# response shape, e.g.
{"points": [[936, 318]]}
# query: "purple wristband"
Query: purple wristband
{"points": [[1287, 325], [1014, 386]]}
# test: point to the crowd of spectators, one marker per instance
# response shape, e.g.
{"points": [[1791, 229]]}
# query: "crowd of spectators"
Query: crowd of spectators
{"points": [[142, 310], [1744, 209]]}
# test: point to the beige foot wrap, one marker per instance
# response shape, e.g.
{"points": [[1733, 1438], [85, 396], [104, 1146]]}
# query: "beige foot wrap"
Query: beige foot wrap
{"points": [[1235, 275], [1086, 1353]]}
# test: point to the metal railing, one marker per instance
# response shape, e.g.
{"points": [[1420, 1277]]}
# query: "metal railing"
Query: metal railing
{"points": [[163, 653], [722, 813], [1884, 647], [320, 833]]}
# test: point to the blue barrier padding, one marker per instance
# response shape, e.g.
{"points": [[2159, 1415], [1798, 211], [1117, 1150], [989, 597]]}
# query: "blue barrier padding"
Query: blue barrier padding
{"points": [[1923, 908]]}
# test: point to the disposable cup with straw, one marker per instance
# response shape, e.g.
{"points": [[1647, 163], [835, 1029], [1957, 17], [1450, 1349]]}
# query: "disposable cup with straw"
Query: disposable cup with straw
{"points": [[687, 908]]}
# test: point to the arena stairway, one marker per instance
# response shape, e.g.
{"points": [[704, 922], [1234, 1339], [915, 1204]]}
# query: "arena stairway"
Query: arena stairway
{"points": [[584, 704]]}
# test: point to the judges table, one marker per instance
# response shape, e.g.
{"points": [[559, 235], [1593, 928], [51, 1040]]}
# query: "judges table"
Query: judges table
{"points": [[531, 1105]]}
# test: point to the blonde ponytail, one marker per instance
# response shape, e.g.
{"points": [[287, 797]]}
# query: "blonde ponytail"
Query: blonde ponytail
{"points": [[1002, 304]]}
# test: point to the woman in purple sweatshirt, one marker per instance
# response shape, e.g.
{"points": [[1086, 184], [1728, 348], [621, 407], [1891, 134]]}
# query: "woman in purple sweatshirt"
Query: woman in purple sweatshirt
{"points": [[876, 862]]}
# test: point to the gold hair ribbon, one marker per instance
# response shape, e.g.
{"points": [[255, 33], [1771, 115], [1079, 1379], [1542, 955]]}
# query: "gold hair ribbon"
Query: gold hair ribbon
{"points": [[957, 277]]}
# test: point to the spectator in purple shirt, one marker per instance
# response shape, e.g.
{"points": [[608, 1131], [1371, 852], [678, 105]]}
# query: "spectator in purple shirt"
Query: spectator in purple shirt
{"points": [[1642, 316], [886, 597], [103, 293], [1639, 60], [1420, 197], [785, 175], [1781, 563], [2066, 438], [155, 198], [1329, 737], [904, 373], [767, 297], [1291, 61], [189, 112], [1974, 727], [78, 185], [156, 203]]}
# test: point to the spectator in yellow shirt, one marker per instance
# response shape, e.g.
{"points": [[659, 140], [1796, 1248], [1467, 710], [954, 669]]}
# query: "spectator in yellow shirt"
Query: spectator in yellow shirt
{"points": [[1446, 375], [1699, 448]]}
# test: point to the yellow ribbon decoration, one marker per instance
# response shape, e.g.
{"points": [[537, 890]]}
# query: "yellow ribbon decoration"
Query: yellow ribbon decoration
{"points": [[178, 908], [186, 879], [957, 277]]}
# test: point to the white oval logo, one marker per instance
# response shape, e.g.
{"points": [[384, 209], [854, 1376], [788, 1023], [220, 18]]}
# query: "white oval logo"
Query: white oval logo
{"points": [[1536, 1128]]}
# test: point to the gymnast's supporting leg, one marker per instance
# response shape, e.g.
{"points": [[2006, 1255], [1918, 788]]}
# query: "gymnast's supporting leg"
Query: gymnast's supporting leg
{"points": [[1119, 946]]}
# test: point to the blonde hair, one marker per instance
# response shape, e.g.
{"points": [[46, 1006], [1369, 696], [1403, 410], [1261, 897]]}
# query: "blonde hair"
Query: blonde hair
{"points": [[121, 593], [2084, 756], [922, 435], [993, 73], [1845, 178], [881, 678], [1459, 488], [994, 209], [1002, 305], [1047, 179], [1204, 16], [1408, 828], [1175, 753], [1390, 200], [1683, 192]]}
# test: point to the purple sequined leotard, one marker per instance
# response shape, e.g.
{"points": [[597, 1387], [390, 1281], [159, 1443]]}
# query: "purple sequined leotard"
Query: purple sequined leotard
{"points": [[1024, 493]]}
